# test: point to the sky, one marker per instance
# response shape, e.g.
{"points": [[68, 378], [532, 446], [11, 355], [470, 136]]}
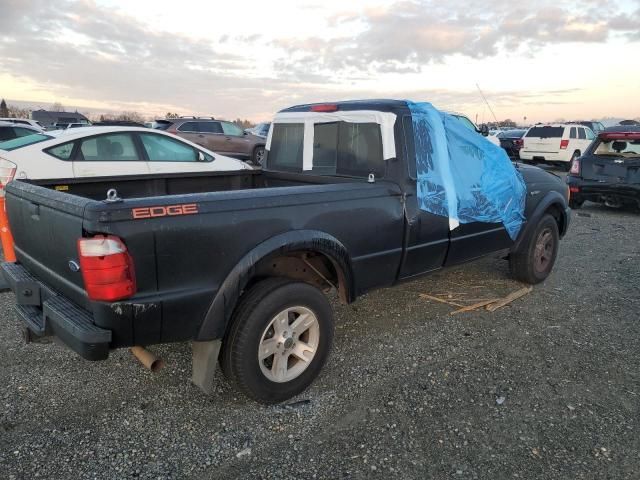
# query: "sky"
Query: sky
{"points": [[543, 60]]}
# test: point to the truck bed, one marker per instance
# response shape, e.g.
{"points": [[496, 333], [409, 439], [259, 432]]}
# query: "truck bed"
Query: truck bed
{"points": [[182, 259], [143, 186]]}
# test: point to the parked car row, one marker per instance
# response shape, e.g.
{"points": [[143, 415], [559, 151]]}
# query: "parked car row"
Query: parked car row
{"points": [[104, 151], [220, 136]]}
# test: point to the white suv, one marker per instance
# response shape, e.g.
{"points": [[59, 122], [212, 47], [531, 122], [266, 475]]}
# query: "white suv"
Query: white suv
{"points": [[556, 143]]}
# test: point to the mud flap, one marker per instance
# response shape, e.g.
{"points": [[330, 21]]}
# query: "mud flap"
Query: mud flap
{"points": [[204, 359]]}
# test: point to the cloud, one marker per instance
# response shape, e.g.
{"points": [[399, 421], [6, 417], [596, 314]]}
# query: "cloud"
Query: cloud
{"points": [[411, 34], [83, 50]]}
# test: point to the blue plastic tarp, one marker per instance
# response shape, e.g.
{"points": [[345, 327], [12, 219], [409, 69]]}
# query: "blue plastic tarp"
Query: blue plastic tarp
{"points": [[461, 175]]}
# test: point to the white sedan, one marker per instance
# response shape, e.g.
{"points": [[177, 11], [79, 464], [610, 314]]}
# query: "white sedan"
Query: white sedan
{"points": [[106, 151]]}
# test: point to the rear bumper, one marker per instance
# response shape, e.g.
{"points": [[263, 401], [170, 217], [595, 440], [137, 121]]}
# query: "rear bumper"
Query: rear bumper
{"points": [[600, 192], [45, 313], [545, 156]]}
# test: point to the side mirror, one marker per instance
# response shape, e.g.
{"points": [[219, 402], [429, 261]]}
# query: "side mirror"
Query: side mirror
{"points": [[484, 130]]}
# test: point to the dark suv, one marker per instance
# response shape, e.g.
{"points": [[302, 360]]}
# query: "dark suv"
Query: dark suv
{"points": [[222, 137]]}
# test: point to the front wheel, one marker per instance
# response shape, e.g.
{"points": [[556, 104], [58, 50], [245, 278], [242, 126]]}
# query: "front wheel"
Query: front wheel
{"points": [[533, 261], [279, 339]]}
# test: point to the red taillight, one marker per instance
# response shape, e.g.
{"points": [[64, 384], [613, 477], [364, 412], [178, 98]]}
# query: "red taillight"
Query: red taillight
{"points": [[107, 268], [564, 144], [574, 189], [518, 143], [7, 172], [575, 167], [620, 136], [324, 108]]}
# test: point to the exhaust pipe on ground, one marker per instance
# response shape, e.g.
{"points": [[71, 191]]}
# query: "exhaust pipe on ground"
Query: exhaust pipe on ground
{"points": [[148, 359]]}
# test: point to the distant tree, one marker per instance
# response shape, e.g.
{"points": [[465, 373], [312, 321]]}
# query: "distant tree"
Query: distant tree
{"points": [[57, 107], [17, 112], [131, 117], [4, 111], [507, 123], [172, 115], [244, 123]]}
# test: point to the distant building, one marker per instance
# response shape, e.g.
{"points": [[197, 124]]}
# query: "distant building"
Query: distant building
{"points": [[49, 119]]}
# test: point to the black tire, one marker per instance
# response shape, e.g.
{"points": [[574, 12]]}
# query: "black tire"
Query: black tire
{"points": [[526, 263], [258, 155], [574, 204], [256, 309]]}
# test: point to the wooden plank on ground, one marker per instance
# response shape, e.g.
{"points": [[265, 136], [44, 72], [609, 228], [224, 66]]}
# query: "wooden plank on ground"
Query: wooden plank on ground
{"points": [[509, 298], [475, 306], [436, 299]]}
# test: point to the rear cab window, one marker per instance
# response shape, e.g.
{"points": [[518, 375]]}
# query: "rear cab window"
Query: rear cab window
{"points": [[339, 149], [286, 147]]}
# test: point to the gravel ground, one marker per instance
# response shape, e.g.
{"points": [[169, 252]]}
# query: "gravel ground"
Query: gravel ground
{"points": [[547, 387]]}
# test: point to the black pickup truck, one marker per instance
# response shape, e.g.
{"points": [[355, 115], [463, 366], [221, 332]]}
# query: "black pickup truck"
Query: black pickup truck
{"points": [[240, 263]]}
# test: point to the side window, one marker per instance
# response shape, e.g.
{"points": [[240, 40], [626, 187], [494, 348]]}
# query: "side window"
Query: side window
{"points": [[590, 135], [6, 133], [22, 132], [109, 148], [63, 152], [581, 134], [286, 147], [573, 133], [209, 127], [189, 127], [232, 129], [409, 145], [165, 149]]}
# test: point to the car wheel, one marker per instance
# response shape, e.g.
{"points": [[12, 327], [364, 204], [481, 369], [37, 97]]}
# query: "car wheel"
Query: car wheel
{"points": [[533, 261], [279, 339], [258, 156], [575, 204]]}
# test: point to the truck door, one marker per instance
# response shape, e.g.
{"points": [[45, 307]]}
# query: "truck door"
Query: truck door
{"points": [[427, 234]]}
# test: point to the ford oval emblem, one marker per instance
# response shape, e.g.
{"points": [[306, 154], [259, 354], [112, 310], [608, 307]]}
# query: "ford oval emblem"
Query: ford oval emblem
{"points": [[73, 266]]}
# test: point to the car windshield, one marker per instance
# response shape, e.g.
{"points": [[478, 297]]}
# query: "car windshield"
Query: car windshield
{"points": [[628, 148], [20, 142], [466, 122]]}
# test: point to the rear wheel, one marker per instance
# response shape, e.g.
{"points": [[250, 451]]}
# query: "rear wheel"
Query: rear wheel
{"points": [[258, 156], [279, 339], [533, 261], [575, 204]]}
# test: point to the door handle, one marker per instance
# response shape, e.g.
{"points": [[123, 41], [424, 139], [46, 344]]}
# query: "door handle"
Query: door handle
{"points": [[228, 138], [201, 136]]}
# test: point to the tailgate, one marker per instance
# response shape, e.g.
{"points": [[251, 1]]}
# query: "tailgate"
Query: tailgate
{"points": [[46, 225], [611, 169], [542, 145]]}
